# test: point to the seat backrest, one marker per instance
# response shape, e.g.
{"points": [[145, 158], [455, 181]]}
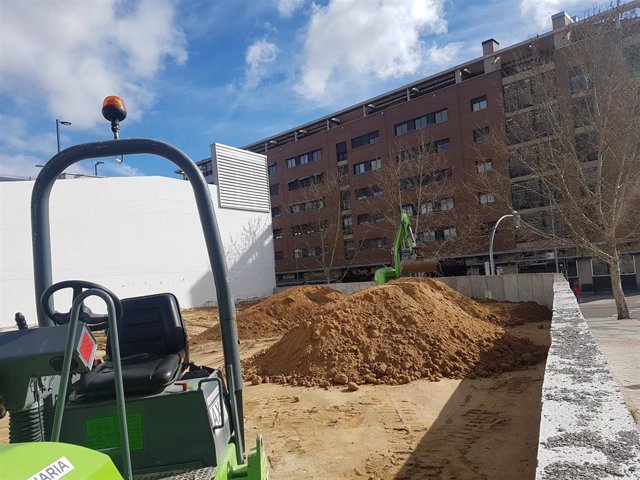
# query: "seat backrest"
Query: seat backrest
{"points": [[151, 324]]}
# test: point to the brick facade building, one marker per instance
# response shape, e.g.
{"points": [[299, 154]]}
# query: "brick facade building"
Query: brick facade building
{"points": [[456, 111]]}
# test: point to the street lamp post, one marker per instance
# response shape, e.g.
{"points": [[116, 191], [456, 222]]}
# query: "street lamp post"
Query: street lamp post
{"points": [[492, 269], [95, 168], [58, 123]]}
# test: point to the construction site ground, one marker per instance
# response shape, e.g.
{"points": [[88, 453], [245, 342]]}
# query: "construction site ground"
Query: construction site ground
{"points": [[484, 428], [470, 427]]}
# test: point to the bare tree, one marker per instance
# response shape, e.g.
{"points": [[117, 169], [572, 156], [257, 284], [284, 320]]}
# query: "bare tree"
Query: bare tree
{"points": [[416, 178], [572, 136], [319, 226]]}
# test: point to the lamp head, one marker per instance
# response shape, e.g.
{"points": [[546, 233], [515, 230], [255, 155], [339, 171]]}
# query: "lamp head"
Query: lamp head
{"points": [[114, 110]]}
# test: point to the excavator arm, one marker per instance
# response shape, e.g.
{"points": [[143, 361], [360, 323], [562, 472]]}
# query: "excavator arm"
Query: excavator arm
{"points": [[403, 252]]}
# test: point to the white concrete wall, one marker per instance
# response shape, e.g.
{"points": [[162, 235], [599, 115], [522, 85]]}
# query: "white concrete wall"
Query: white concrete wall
{"points": [[135, 236], [511, 287]]}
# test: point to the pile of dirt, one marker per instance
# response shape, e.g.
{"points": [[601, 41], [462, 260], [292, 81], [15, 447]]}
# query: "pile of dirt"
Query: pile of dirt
{"points": [[395, 333], [511, 314], [278, 313]]}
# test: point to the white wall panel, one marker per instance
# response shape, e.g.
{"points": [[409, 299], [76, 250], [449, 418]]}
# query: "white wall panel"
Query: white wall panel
{"points": [[135, 236]]}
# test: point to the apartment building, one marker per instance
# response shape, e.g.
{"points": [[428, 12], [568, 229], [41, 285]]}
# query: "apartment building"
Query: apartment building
{"points": [[451, 115]]}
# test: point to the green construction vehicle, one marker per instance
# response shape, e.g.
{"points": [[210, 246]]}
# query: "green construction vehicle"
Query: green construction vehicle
{"points": [[404, 256], [146, 412]]}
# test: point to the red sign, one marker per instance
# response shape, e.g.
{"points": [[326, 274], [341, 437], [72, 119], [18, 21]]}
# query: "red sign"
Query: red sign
{"points": [[86, 347]]}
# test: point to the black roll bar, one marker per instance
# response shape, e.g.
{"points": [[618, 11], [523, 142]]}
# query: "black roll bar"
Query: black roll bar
{"points": [[41, 237]]}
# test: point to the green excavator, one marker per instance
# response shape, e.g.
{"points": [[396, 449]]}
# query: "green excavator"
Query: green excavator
{"points": [[146, 412], [404, 256]]}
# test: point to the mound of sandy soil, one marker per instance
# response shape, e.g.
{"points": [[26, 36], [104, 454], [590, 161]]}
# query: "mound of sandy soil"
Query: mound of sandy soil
{"points": [[277, 313], [395, 333], [511, 314]]}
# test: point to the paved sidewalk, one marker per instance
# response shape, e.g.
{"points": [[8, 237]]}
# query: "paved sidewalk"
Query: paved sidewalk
{"points": [[619, 341]]}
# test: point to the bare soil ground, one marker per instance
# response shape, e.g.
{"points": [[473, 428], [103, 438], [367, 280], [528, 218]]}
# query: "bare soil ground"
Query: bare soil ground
{"points": [[481, 428], [484, 428]]}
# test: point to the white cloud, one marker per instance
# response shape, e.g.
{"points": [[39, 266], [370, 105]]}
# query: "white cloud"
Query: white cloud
{"points": [[67, 56], [14, 137], [353, 42], [259, 57], [445, 55], [113, 169], [286, 8], [540, 11], [19, 165]]}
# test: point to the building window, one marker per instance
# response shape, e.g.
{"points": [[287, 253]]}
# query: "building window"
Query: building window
{"points": [[341, 151], [428, 236], [478, 103], [278, 233], [599, 268], [273, 189], [583, 110], [426, 208], [373, 243], [368, 166], [425, 179], [307, 228], [305, 182], [369, 218], [518, 95], [586, 147], [368, 192], [275, 212], [449, 233], [307, 206], [442, 146], [446, 204], [272, 169], [577, 80], [349, 249], [206, 168], [481, 135], [304, 159], [367, 139], [345, 200], [279, 255], [484, 166], [421, 151], [486, 198], [409, 210], [627, 266], [419, 123], [347, 224], [309, 252]]}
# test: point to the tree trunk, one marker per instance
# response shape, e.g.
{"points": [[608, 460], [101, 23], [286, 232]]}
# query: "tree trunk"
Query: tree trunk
{"points": [[616, 285]]}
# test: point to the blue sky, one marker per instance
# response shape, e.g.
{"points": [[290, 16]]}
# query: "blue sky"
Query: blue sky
{"points": [[194, 72]]}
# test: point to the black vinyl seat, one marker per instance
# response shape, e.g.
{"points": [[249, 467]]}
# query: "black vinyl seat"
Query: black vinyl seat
{"points": [[153, 349]]}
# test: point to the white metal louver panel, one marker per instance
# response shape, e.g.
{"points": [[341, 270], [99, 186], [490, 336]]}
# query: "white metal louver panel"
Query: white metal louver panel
{"points": [[243, 182]]}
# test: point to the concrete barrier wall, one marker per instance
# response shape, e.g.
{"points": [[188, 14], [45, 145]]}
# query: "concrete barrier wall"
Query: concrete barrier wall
{"points": [[512, 287], [586, 430], [523, 287]]}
